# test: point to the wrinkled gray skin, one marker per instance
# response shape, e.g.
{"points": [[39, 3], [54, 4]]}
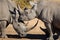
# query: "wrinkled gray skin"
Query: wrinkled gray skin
{"points": [[9, 15], [47, 11], [5, 16]]}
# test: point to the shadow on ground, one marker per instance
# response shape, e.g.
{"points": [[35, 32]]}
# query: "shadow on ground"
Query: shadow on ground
{"points": [[32, 36]]}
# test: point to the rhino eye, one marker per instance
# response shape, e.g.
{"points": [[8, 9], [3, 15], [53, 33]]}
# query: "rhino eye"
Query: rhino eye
{"points": [[18, 25]]}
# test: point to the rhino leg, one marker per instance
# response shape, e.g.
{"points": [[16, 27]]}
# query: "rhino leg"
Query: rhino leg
{"points": [[2, 29], [48, 26]]}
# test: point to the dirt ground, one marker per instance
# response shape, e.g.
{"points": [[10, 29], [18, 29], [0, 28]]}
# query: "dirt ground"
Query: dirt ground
{"points": [[34, 34]]}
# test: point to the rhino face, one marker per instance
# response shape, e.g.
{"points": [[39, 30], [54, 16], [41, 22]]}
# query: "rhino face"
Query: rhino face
{"points": [[18, 24], [28, 14], [24, 17]]}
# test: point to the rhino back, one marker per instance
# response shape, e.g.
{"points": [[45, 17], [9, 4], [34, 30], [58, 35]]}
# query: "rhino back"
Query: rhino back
{"points": [[4, 10], [50, 10]]}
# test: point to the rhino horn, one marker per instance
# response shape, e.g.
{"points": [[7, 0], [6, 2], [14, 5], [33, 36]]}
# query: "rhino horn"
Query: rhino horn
{"points": [[28, 29], [19, 8]]}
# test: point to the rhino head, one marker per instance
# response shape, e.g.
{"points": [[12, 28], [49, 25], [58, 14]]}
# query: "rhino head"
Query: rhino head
{"points": [[34, 12], [19, 24], [29, 14]]}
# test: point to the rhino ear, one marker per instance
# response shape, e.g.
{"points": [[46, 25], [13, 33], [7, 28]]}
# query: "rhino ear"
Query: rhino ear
{"points": [[19, 8], [25, 8], [33, 7], [13, 11], [33, 4]]}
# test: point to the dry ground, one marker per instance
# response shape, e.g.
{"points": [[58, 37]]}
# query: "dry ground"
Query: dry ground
{"points": [[34, 34]]}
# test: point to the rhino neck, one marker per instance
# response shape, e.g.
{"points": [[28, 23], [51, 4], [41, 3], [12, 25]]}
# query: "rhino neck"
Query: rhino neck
{"points": [[40, 7]]}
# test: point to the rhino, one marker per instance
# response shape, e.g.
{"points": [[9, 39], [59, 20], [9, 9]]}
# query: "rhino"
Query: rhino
{"points": [[46, 10], [9, 14]]}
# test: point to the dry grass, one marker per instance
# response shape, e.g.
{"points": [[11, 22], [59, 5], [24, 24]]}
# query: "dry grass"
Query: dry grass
{"points": [[23, 3]]}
